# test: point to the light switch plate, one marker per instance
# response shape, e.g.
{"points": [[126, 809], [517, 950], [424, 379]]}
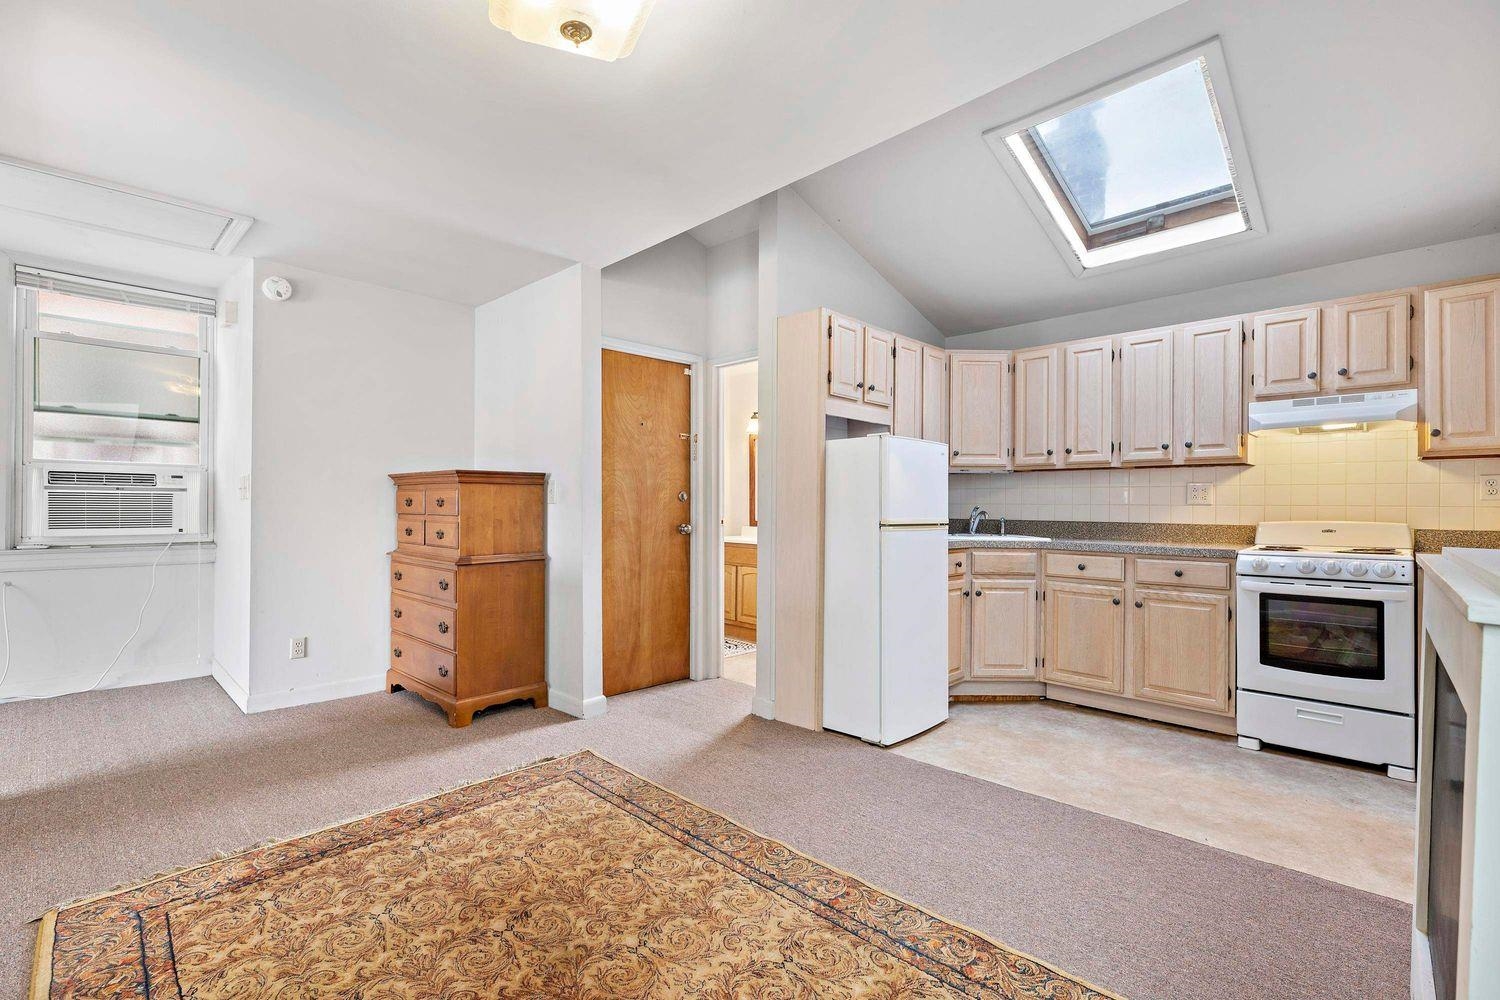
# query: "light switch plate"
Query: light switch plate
{"points": [[551, 490], [1489, 489], [1200, 494]]}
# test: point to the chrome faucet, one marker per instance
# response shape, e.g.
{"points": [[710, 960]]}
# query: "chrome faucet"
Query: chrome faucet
{"points": [[975, 516]]}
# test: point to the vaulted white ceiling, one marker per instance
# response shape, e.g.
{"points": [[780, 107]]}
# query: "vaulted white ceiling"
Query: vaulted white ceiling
{"points": [[1370, 127], [415, 145]]}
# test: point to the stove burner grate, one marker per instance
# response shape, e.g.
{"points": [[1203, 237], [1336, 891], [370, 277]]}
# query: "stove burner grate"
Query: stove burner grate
{"points": [[1372, 552], [1280, 548]]}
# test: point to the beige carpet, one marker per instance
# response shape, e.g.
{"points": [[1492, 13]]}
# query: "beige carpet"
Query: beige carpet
{"points": [[109, 788]]}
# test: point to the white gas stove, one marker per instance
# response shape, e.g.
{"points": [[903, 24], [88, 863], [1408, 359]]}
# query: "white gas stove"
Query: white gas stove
{"points": [[1326, 636]]}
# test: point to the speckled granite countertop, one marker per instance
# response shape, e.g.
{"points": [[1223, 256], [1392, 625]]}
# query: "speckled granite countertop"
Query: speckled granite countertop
{"points": [[1185, 550]]}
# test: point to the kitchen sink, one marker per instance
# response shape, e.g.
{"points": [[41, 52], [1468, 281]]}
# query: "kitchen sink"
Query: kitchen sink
{"points": [[994, 538]]}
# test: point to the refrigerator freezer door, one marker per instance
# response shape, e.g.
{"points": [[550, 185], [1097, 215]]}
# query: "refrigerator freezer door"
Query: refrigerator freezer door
{"points": [[913, 631], [913, 481]]}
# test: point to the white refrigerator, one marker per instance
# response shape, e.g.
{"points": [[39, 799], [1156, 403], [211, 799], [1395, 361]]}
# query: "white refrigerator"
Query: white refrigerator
{"points": [[885, 587]]}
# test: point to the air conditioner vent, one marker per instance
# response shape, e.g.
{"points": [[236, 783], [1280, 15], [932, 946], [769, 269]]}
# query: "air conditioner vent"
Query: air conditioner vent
{"points": [[94, 510], [80, 477]]}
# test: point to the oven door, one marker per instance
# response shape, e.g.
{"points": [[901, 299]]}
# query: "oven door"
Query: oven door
{"points": [[1350, 644]]}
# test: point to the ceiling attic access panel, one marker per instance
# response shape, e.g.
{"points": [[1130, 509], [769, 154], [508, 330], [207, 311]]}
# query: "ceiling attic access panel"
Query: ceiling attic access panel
{"points": [[1150, 165]]}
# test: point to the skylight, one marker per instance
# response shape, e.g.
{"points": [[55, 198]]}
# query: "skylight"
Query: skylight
{"points": [[1140, 167]]}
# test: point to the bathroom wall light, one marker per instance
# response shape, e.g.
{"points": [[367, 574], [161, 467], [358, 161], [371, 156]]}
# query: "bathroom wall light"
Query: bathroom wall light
{"points": [[600, 29]]}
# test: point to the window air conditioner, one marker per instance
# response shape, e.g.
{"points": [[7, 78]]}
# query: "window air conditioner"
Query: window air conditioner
{"points": [[97, 504]]}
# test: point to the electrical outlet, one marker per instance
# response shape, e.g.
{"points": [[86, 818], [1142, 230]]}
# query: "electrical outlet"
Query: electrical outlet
{"points": [[1489, 489], [244, 487], [1200, 494], [551, 490], [299, 647]]}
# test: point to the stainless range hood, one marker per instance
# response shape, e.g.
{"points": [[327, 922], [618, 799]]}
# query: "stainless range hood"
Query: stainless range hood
{"points": [[1320, 411]]}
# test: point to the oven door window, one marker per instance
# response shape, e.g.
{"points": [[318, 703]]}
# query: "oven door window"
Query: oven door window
{"points": [[1331, 636]]}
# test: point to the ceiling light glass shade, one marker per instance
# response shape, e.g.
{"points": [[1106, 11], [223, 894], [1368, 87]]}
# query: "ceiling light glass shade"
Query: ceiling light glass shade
{"points": [[612, 26], [754, 425]]}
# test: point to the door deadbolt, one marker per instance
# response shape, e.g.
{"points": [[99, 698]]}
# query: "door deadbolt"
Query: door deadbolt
{"points": [[682, 495]]}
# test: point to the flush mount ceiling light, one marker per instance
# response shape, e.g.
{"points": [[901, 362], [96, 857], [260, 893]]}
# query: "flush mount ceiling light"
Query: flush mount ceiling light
{"points": [[600, 29], [1150, 165]]}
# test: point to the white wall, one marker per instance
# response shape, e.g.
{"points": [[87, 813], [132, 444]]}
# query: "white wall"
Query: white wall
{"points": [[741, 391], [733, 284], [1460, 259], [537, 409], [351, 383], [233, 371], [659, 296], [817, 268]]}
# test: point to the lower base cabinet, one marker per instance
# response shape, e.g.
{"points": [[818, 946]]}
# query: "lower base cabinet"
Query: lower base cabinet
{"points": [[1003, 629], [958, 630], [740, 580], [1085, 636], [1179, 648]]}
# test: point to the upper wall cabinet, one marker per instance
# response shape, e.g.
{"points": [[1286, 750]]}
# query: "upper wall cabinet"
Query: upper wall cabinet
{"points": [[934, 393], [1206, 369], [1088, 403], [1038, 399], [979, 409], [1461, 370], [1286, 352], [846, 358], [880, 357], [1146, 393], [906, 392], [1370, 343]]}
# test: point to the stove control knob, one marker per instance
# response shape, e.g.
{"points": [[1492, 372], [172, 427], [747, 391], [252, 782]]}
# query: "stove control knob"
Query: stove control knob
{"points": [[1358, 569], [1306, 566], [1332, 566], [1259, 564], [1385, 570]]}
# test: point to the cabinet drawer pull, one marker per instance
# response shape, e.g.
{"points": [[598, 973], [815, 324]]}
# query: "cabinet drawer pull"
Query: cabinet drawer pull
{"points": [[440, 533], [397, 613], [443, 627], [439, 501], [408, 501], [396, 652], [442, 585], [1177, 572], [442, 671], [1114, 600], [397, 574], [408, 532], [1139, 604], [1081, 567]]}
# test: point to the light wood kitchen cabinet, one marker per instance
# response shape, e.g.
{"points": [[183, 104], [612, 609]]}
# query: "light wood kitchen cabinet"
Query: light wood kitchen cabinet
{"points": [[1085, 626], [1461, 370], [740, 580], [1146, 396], [1286, 352], [1088, 403], [1179, 644], [906, 391], [1206, 367], [1370, 343], [958, 629], [880, 357], [934, 393], [979, 409], [1038, 397], [846, 358], [1003, 627]]}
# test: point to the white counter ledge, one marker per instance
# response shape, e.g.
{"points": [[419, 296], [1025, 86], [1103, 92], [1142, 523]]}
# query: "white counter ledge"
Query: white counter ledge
{"points": [[1471, 577]]}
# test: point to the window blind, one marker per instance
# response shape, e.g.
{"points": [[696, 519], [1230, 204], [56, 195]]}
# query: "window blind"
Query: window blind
{"points": [[110, 291]]}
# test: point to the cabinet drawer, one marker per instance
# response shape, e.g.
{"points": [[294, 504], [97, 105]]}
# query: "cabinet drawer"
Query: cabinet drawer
{"points": [[427, 664], [424, 581], [1182, 573], [409, 529], [957, 562], [428, 622], [1003, 563], [442, 500], [442, 532], [409, 500], [1085, 566]]}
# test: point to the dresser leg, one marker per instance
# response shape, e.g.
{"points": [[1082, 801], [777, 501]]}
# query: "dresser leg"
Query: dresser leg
{"points": [[539, 701], [459, 718]]}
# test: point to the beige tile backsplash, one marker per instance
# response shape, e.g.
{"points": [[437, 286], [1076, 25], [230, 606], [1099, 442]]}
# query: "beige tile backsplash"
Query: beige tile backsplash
{"points": [[1371, 475]]}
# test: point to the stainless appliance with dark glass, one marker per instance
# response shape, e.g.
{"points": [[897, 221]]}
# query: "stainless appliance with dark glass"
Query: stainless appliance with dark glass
{"points": [[1327, 641]]}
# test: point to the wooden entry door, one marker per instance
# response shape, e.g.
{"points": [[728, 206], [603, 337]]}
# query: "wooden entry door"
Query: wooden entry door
{"points": [[647, 472]]}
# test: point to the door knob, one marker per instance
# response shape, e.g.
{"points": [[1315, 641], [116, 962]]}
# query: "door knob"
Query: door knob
{"points": [[682, 495], [684, 529]]}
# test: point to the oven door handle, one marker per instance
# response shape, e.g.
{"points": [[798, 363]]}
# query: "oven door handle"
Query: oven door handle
{"points": [[1396, 594]]}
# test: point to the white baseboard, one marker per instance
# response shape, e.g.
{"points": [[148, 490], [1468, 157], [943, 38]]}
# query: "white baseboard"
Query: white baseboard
{"points": [[583, 708], [1422, 986], [266, 701], [133, 676], [763, 707], [237, 694]]}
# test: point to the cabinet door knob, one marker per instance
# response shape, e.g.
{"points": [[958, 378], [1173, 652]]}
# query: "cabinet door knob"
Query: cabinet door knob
{"points": [[1081, 567], [1187, 444], [1343, 371], [1114, 600], [1067, 451], [442, 585], [442, 671], [1166, 447], [439, 501], [1436, 433], [1313, 376], [397, 574], [1049, 451], [397, 613], [966, 593], [955, 452], [1139, 604], [396, 652], [1177, 572], [978, 593], [443, 627], [408, 501], [859, 385]]}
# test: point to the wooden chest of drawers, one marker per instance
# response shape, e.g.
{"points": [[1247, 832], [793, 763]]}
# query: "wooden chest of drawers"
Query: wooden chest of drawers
{"points": [[469, 589]]}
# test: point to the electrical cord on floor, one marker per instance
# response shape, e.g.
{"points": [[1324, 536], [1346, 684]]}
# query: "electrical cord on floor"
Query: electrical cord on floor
{"points": [[139, 619]]}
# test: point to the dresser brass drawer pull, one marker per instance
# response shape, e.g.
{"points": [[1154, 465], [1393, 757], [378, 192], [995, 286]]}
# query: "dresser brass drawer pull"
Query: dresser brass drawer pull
{"points": [[442, 671], [439, 501], [442, 585], [397, 612], [443, 627], [408, 532], [396, 652], [397, 574], [440, 532], [408, 501]]}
